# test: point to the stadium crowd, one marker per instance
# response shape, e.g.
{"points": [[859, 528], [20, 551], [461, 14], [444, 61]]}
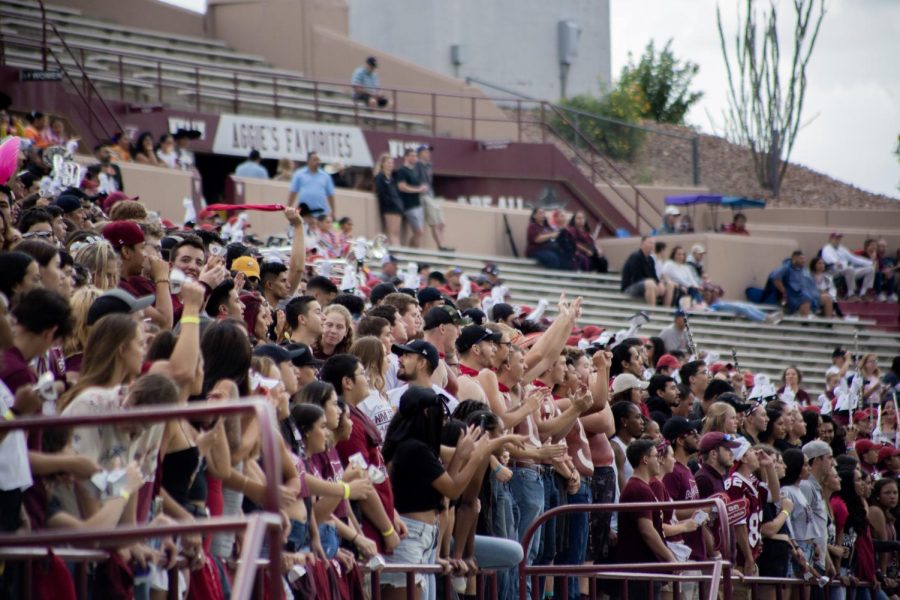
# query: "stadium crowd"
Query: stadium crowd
{"points": [[424, 418]]}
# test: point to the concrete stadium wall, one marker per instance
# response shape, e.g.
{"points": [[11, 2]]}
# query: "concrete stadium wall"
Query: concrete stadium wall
{"points": [[145, 14], [490, 35], [732, 261]]}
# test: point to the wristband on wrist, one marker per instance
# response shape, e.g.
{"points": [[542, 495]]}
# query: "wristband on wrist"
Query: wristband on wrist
{"points": [[9, 415], [389, 532], [190, 320], [346, 490], [125, 494], [159, 281], [786, 514]]}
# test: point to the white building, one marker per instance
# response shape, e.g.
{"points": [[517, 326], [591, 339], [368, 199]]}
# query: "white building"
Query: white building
{"points": [[514, 44]]}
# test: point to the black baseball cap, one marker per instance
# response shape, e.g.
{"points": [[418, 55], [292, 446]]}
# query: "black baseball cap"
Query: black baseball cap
{"points": [[116, 301], [277, 353], [428, 294], [476, 315], [838, 352], [445, 315], [677, 426], [301, 355], [380, 291], [420, 347], [734, 401], [502, 311], [372, 62], [475, 334]]}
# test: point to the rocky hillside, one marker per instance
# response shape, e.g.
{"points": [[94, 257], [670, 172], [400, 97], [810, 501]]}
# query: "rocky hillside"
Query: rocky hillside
{"points": [[727, 169]]}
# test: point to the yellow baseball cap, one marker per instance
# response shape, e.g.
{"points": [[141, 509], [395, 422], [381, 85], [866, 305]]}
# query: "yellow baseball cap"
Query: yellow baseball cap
{"points": [[246, 265]]}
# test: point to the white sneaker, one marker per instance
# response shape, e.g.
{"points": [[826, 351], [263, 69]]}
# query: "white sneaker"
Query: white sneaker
{"points": [[774, 318], [882, 297]]}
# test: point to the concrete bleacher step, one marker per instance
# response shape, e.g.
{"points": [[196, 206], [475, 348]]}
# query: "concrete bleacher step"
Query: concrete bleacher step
{"points": [[760, 347]]}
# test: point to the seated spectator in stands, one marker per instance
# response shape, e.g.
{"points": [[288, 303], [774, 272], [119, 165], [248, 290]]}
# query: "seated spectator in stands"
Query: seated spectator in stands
{"points": [[37, 223], [166, 151], [285, 169], [670, 221], [145, 152], [36, 129], [886, 278], [367, 86], [543, 243], [56, 134], [252, 167], [313, 186], [841, 261], [588, 254], [790, 390], [639, 277], [389, 203], [120, 149], [687, 282], [110, 175], [824, 280], [331, 243], [183, 137], [798, 289], [738, 225]]}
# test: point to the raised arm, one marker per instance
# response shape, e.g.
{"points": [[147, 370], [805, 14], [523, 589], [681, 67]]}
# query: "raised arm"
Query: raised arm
{"points": [[297, 262]]}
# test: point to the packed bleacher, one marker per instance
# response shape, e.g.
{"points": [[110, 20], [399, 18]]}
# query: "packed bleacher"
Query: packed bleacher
{"points": [[429, 414]]}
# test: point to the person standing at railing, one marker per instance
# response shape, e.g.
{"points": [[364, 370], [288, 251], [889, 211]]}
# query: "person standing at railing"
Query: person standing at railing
{"points": [[367, 86], [434, 214], [313, 186], [252, 167]]}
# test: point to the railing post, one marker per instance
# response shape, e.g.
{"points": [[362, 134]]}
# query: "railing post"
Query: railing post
{"points": [[695, 158], [394, 107], [473, 117], [519, 119], [44, 36], [433, 114], [543, 122], [275, 96], [121, 81], [577, 132], [197, 88], [237, 104], [316, 99], [159, 90], [637, 213]]}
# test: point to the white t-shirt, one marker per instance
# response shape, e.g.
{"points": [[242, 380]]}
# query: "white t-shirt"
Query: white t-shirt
{"points": [[15, 474], [377, 408], [395, 394]]}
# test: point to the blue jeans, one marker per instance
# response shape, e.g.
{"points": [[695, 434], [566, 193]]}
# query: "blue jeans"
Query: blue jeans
{"points": [[503, 526], [748, 311], [574, 551], [527, 487], [551, 258], [552, 499], [329, 538]]}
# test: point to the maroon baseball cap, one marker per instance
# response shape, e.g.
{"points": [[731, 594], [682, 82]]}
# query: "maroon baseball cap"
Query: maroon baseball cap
{"points": [[715, 439], [668, 361], [123, 233], [113, 197]]}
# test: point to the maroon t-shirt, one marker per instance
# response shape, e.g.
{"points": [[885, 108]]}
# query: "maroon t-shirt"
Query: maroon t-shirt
{"points": [[327, 465], [709, 482], [632, 548], [365, 439], [680, 485], [137, 286], [14, 370]]}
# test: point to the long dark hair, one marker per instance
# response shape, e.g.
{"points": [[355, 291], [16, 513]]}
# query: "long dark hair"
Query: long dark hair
{"points": [[857, 519], [315, 392], [226, 355], [586, 227], [534, 212], [766, 436], [423, 422]]}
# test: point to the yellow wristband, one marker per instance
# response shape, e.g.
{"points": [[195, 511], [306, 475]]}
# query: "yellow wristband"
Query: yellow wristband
{"points": [[389, 532], [125, 494], [786, 514], [346, 490], [9, 415], [190, 320]]}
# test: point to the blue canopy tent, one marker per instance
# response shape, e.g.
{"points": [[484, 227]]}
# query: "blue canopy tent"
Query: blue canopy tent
{"points": [[736, 203], [692, 201]]}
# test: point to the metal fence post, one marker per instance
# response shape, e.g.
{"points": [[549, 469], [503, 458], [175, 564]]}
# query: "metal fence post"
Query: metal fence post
{"points": [[695, 158]]}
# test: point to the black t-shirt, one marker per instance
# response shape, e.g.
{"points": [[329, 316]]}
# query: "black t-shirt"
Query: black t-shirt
{"points": [[637, 268], [388, 197], [413, 469], [411, 178]]}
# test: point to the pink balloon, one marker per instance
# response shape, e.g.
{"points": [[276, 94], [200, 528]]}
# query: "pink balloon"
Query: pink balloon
{"points": [[9, 154]]}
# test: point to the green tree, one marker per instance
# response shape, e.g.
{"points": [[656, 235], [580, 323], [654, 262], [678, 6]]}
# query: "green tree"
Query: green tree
{"points": [[607, 122], [664, 81]]}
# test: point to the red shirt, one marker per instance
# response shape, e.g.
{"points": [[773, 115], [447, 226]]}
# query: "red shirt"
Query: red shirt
{"points": [[737, 487], [860, 544], [632, 548], [365, 439]]}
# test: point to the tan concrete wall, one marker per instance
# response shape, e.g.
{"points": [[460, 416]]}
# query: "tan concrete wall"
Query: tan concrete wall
{"points": [[160, 189], [655, 194], [145, 14], [470, 229], [836, 218], [734, 262]]}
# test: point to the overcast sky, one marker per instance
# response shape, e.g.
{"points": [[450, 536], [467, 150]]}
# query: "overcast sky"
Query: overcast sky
{"points": [[852, 108]]}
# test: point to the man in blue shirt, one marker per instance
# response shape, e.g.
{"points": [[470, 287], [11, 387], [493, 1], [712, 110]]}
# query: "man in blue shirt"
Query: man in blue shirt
{"points": [[315, 187], [798, 288], [366, 86], [251, 168]]}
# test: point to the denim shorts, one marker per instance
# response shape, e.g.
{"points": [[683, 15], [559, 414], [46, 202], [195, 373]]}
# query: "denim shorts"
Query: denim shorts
{"points": [[417, 548]]}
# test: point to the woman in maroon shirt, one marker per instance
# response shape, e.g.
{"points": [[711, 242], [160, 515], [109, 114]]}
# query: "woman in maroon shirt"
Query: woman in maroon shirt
{"points": [[852, 529], [588, 256], [543, 244]]}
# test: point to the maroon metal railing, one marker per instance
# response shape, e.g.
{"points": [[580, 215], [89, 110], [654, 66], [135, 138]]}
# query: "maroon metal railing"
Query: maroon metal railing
{"points": [[255, 525]]}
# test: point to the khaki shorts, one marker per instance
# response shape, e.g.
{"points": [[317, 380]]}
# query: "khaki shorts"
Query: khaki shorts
{"points": [[434, 214]]}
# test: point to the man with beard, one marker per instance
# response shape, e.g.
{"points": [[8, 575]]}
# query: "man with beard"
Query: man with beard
{"points": [[716, 451], [304, 319], [442, 328], [418, 360], [680, 483]]}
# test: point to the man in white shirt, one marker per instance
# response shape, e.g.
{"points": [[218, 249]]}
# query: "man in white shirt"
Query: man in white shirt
{"points": [[851, 267], [418, 360]]}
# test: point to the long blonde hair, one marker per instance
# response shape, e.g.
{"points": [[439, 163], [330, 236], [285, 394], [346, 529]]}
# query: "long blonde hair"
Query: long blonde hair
{"points": [[81, 303], [716, 416], [379, 165], [370, 352], [97, 256]]}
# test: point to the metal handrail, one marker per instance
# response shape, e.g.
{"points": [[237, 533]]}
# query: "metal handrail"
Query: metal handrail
{"points": [[721, 569], [256, 525]]}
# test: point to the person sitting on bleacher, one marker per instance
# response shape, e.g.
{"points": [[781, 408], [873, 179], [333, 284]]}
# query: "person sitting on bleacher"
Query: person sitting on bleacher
{"points": [[738, 225], [798, 289], [639, 276], [843, 262], [366, 85], [670, 221]]}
